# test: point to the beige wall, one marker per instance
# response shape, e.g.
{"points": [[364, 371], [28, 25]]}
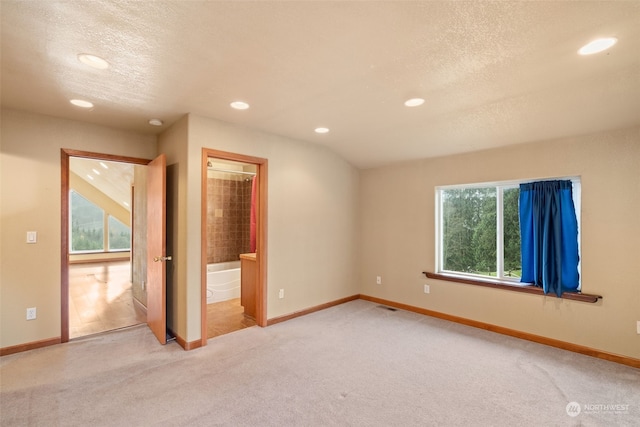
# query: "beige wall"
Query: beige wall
{"points": [[331, 228], [398, 242], [30, 181], [312, 229], [312, 218]]}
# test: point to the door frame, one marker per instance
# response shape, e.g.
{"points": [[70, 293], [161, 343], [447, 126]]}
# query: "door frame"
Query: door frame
{"points": [[261, 234], [65, 154]]}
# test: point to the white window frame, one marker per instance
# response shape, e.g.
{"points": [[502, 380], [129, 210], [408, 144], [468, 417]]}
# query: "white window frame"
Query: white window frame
{"points": [[500, 187]]}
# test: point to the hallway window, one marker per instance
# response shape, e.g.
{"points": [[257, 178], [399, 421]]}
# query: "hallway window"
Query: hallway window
{"points": [[119, 235], [90, 224], [87, 225]]}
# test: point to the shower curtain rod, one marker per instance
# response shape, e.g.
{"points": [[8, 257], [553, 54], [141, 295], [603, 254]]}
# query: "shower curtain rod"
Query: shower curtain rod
{"points": [[230, 171]]}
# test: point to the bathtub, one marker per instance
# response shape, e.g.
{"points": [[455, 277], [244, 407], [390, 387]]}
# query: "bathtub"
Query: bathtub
{"points": [[223, 281]]}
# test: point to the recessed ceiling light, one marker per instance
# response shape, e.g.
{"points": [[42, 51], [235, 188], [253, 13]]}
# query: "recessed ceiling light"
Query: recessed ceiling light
{"points": [[93, 61], [239, 105], [321, 130], [96, 171], [104, 165], [81, 103], [90, 177], [126, 204], [156, 122], [414, 102], [597, 46]]}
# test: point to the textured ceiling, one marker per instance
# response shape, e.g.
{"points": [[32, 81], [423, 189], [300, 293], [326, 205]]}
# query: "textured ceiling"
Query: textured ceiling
{"points": [[492, 73]]}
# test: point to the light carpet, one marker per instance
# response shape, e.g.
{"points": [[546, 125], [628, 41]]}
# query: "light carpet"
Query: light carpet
{"points": [[355, 364]]}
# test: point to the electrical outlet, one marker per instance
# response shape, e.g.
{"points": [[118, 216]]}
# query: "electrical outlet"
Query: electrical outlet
{"points": [[31, 313], [281, 294], [427, 289], [379, 280], [638, 327]]}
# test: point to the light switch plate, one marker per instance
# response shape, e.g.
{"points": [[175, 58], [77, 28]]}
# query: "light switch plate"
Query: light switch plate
{"points": [[32, 237]]}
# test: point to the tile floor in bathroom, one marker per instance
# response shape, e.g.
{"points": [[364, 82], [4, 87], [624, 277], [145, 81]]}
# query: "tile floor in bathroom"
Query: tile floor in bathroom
{"points": [[225, 317]]}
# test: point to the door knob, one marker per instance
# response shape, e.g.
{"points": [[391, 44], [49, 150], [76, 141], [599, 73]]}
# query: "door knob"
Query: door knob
{"points": [[161, 258]]}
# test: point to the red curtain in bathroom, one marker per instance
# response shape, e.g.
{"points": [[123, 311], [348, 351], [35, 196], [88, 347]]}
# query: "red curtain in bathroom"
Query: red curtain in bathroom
{"points": [[252, 221]]}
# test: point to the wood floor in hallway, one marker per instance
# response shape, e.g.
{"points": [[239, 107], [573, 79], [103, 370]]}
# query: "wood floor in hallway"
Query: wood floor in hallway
{"points": [[100, 298]]}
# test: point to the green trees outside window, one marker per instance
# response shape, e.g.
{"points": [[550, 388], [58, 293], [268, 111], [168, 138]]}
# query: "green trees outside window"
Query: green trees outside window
{"points": [[473, 222], [88, 228], [119, 235], [511, 233], [87, 225]]}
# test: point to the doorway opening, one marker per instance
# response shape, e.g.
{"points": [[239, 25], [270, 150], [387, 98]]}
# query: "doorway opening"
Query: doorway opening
{"points": [[103, 256], [233, 242]]}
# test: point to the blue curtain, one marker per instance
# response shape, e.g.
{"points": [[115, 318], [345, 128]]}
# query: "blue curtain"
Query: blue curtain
{"points": [[549, 236]]}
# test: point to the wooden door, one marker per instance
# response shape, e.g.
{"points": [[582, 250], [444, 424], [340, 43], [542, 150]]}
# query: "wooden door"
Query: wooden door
{"points": [[156, 248]]}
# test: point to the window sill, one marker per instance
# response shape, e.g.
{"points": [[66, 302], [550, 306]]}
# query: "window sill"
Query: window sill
{"points": [[528, 289]]}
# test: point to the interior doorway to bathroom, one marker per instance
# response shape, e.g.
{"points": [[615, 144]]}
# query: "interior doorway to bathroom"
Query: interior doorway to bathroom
{"points": [[233, 242]]}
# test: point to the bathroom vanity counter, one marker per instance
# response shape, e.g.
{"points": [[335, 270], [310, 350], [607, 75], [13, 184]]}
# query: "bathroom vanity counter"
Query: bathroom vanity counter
{"points": [[248, 272], [248, 257]]}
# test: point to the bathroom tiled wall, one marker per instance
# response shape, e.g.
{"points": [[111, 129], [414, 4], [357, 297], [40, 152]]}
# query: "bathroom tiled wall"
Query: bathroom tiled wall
{"points": [[228, 215]]}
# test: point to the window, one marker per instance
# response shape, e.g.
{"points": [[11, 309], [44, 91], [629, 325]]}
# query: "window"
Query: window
{"points": [[88, 228], [478, 230], [87, 225], [119, 235]]}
